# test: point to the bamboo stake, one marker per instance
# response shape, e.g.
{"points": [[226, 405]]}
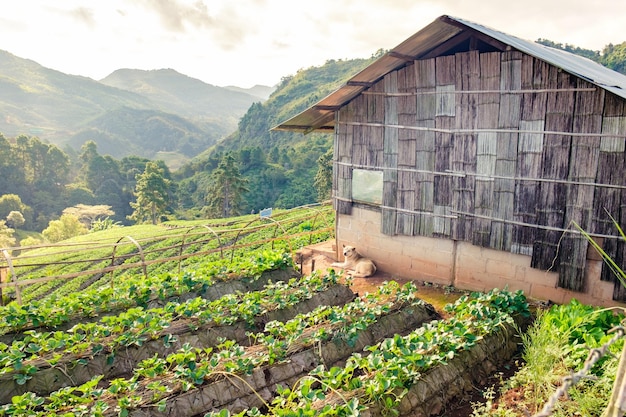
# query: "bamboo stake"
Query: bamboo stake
{"points": [[617, 403]]}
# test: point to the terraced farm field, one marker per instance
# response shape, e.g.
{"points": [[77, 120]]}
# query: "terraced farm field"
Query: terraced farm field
{"points": [[237, 329]]}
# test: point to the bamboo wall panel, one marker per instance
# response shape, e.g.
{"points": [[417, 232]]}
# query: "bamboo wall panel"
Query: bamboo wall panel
{"points": [[558, 108], [584, 158], [407, 143], [487, 146], [616, 107], [462, 160], [610, 202], [442, 183], [445, 75], [464, 147], [504, 191], [342, 175], [611, 171], [390, 154], [506, 153], [535, 74], [425, 86], [529, 165], [486, 155]]}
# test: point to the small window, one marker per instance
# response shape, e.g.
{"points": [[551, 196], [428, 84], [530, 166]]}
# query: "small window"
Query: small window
{"points": [[367, 186]]}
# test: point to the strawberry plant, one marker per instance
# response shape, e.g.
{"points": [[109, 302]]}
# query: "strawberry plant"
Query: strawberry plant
{"points": [[391, 367]]}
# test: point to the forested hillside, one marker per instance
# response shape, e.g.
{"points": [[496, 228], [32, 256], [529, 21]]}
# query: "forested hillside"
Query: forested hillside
{"points": [[153, 114], [280, 167], [41, 180], [612, 56], [205, 105]]}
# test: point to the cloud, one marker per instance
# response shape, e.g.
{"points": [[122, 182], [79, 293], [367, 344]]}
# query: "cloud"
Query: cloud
{"points": [[83, 15], [176, 15]]}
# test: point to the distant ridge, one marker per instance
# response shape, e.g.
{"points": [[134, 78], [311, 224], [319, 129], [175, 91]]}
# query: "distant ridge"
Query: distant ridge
{"points": [[129, 112]]}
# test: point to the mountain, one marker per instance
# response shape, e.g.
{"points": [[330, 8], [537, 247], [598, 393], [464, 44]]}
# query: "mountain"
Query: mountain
{"points": [[35, 100], [261, 91], [204, 104], [130, 112], [293, 95]]}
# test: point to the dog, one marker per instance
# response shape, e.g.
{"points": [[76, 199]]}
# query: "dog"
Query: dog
{"points": [[362, 267]]}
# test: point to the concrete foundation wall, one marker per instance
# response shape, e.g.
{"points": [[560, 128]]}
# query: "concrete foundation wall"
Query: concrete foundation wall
{"points": [[461, 264]]}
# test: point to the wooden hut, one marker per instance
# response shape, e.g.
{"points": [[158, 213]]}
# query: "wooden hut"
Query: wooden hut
{"points": [[465, 156]]}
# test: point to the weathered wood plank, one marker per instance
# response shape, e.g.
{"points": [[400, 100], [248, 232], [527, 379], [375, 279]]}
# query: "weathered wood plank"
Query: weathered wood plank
{"points": [[390, 156], [464, 147], [535, 75], [551, 201], [486, 155], [425, 85], [445, 69], [529, 165], [612, 166], [584, 157], [425, 149], [510, 79], [443, 183], [506, 159]]}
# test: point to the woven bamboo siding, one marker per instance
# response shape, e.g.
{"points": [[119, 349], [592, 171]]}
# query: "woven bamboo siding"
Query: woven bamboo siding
{"points": [[407, 143], [445, 68], [584, 157], [425, 83], [486, 148], [534, 76], [529, 165], [612, 165], [442, 205], [464, 146], [611, 171], [495, 149], [342, 175], [390, 154], [558, 108], [529, 148], [506, 153]]}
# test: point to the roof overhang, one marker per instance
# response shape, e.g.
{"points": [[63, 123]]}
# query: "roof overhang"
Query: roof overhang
{"points": [[431, 41]]}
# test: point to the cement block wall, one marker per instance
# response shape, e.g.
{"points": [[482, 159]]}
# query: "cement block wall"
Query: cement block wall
{"points": [[461, 264]]}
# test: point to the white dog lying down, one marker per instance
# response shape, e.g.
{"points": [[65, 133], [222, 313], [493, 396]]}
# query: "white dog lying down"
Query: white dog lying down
{"points": [[361, 266]]}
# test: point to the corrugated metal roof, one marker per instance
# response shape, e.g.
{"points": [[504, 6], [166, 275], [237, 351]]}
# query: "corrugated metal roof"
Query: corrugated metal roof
{"points": [[321, 115]]}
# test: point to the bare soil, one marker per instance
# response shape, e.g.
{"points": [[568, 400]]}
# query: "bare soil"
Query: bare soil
{"points": [[320, 257]]}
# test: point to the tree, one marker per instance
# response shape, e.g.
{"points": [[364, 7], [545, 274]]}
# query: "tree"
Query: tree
{"points": [[65, 227], [13, 202], [6, 235], [11, 175], [226, 189], [324, 178], [151, 193], [15, 219], [614, 57], [97, 170], [88, 214]]}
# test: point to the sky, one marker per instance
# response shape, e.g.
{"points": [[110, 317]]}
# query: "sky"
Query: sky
{"points": [[248, 42]]}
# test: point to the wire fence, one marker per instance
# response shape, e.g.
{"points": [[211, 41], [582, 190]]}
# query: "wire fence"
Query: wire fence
{"points": [[95, 259], [617, 404]]}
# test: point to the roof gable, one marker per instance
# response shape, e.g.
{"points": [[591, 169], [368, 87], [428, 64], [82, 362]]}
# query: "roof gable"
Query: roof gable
{"points": [[445, 36]]}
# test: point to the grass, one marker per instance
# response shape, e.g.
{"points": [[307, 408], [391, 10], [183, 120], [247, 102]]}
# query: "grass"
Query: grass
{"points": [[556, 346]]}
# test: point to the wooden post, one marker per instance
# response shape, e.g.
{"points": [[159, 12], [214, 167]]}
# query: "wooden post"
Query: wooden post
{"points": [[18, 295], [3, 279], [617, 403]]}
